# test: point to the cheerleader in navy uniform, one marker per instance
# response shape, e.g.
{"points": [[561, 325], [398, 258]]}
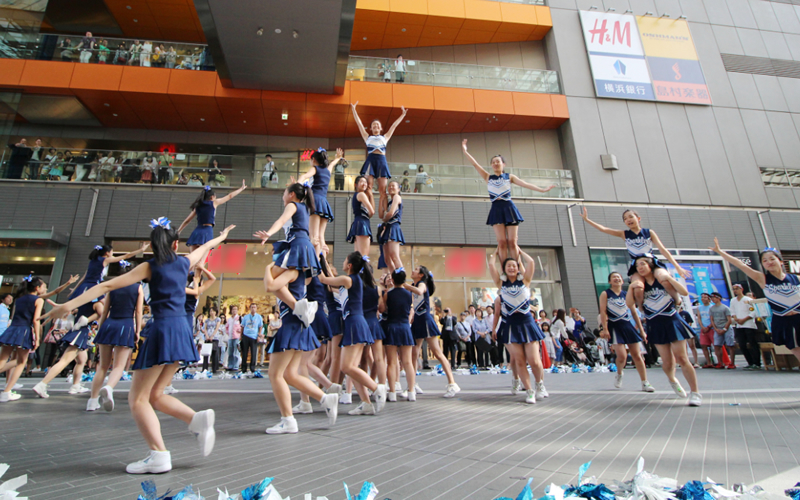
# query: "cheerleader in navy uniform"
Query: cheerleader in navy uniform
{"points": [[195, 288], [500, 336], [118, 331], [521, 334], [503, 216], [391, 212], [296, 253], [639, 242], [615, 319], [424, 327], [782, 291], [360, 233], [323, 213], [169, 343], [396, 304], [333, 360], [371, 297], [356, 332], [665, 327], [204, 208], [100, 258], [376, 167]]}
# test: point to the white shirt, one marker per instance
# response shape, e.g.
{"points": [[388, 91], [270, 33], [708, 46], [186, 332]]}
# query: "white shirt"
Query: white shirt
{"points": [[558, 329], [570, 323], [741, 309]]}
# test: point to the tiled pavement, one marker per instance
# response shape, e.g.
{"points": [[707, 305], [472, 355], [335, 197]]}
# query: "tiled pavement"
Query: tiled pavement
{"points": [[481, 445]]}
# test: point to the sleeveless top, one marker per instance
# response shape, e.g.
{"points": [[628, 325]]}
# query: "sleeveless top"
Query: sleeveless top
{"points": [[376, 142], [168, 287], [298, 290], [616, 307], [87, 309], [123, 302], [352, 303], [370, 301], [205, 213], [315, 291], [422, 303], [191, 300], [397, 218], [657, 302], [24, 308], [96, 271], [322, 179], [638, 244], [515, 298], [299, 222], [783, 295], [499, 187], [359, 210], [332, 301], [398, 305]]}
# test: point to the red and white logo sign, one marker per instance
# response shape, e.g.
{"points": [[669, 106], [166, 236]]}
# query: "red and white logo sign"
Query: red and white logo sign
{"points": [[611, 33]]}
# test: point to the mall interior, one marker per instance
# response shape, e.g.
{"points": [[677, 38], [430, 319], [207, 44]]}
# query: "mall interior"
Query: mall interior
{"points": [[169, 95]]}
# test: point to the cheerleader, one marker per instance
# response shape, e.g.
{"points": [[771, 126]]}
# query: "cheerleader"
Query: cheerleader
{"points": [[204, 208], [195, 288], [665, 328], [168, 344], [23, 334], [118, 332], [782, 291], [296, 252], [639, 242], [500, 332], [520, 332], [371, 297], [376, 166], [615, 319], [503, 216], [424, 328], [396, 304], [333, 302], [391, 234], [356, 332], [321, 173], [99, 259], [360, 233]]}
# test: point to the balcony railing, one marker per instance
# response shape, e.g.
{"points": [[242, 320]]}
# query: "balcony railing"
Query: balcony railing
{"points": [[380, 69], [780, 177]]}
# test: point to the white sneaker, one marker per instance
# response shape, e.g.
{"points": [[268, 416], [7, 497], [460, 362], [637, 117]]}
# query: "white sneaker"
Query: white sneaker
{"points": [[287, 425], [5, 397], [411, 395], [541, 392], [330, 403], [398, 387], [530, 397], [41, 390], [202, 426], [452, 390], [155, 462], [78, 389], [380, 397], [363, 409], [646, 387], [170, 390], [69, 379], [618, 379], [346, 399], [303, 408], [418, 389], [391, 397], [514, 386], [107, 397], [17, 387], [93, 404], [335, 389], [695, 399], [676, 386]]}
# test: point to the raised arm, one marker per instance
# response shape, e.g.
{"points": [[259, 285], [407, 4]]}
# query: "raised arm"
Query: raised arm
{"points": [[751, 273], [519, 182], [339, 157], [308, 175], [364, 199], [113, 260], [481, 171], [493, 270], [287, 214], [396, 201], [418, 290], [106, 308], [388, 135], [210, 279], [661, 248], [530, 267], [337, 281], [197, 255], [230, 196], [364, 133], [72, 279], [619, 233]]}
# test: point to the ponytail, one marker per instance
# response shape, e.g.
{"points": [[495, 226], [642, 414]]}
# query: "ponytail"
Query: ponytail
{"points": [[162, 238], [427, 277], [205, 195], [360, 266], [29, 285], [321, 157], [98, 251], [366, 275], [303, 195], [323, 264]]}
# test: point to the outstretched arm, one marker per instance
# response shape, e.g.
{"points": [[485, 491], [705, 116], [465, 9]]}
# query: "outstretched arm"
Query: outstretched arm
{"points": [[619, 233], [661, 248], [388, 135], [129, 255], [530, 267], [361, 128], [751, 273], [231, 195], [419, 290], [337, 281], [308, 175], [72, 279], [519, 182], [481, 171], [288, 212], [197, 255], [493, 270]]}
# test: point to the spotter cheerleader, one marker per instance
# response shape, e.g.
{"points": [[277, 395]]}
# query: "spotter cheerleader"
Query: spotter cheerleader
{"points": [[391, 234], [360, 233], [396, 304]]}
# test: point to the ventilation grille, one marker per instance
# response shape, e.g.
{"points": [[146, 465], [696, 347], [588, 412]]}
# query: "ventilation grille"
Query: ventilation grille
{"points": [[761, 65]]}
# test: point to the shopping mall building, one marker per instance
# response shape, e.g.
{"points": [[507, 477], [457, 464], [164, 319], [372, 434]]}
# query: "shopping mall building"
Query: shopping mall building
{"points": [[687, 111]]}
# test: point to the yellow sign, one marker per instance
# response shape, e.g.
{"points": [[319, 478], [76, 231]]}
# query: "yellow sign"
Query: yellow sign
{"points": [[663, 37]]}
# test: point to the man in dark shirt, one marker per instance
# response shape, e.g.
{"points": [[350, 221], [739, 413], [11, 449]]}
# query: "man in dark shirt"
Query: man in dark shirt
{"points": [[20, 154], [449, 337], [87, 47]]}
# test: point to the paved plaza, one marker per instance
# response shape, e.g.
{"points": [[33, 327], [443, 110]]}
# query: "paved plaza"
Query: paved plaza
{"points": [[481, 445]]}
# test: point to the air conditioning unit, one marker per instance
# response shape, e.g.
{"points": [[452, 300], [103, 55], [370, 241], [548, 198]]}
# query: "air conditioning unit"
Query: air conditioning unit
{"points": [[609, 162]]}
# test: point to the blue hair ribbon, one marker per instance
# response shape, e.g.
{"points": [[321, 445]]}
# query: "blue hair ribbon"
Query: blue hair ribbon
{"points": [[321, 150], [28, 278], [160, 222], [207, 188], [770, 249], [98, 247], [124, 263]]}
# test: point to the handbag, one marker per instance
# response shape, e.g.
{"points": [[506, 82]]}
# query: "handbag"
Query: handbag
{"points": [[205, 349], [147, 176], [221, 178]]}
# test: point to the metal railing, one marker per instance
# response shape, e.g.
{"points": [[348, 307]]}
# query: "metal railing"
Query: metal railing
{"points": [[780, 177], [382, 69]]}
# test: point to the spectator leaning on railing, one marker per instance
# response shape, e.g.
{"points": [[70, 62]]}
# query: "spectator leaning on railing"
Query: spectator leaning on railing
{"points": [[87, 47]]}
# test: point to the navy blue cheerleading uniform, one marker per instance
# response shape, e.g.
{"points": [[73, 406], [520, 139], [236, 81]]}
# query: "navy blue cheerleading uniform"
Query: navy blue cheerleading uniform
{"points": [[80, 338], [94, 275], [293, 335], [391, 228], [322, 179], [379, 237], [119, 328], [297, 251], [20, 332], [424, 325], [316, 293], [398, 307], [664, 324], [169, 337], [640, 245], [376, 164], [204, 232], [370, 308], [356, 330], [503, 210], [619, 319], [334, 307], [784, 298], [360, 225], [190, 307], [516, 310]]}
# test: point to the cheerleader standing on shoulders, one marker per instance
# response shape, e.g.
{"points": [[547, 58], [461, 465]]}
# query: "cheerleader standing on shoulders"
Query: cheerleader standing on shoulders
{"points": [[360, 233], [782, 291], [117, 334], [169, 343], [639, 242], [396, 304], [356, 332], [99, 260], [424, 328], [204, 209], [321, 173], [503, 216], [665, 328], [615, 318], [392, 235], [522, 332]]}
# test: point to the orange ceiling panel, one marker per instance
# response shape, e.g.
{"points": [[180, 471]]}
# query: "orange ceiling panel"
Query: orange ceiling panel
{"points": [[450, 99], [174, 20], [47, 74], [97, 77], [11, 71]]}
